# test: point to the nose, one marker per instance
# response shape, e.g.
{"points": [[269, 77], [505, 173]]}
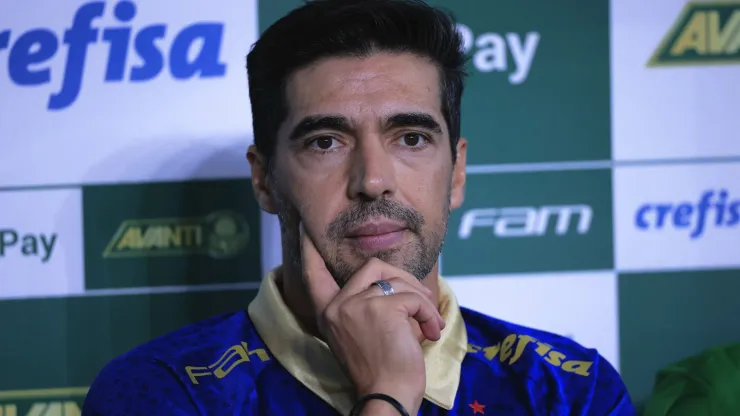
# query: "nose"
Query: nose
{"points": [[372, 174]]}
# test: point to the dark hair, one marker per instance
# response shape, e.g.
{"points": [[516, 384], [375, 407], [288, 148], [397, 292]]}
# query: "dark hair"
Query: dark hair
{"points": [[334, 28]]}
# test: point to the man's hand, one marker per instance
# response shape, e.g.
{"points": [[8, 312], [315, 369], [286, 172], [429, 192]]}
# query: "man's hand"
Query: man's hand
{"points": [[369, 333]]}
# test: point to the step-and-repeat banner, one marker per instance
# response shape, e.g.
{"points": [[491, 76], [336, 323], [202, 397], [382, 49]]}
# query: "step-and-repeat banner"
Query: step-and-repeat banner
{"points": [[603, 196]]}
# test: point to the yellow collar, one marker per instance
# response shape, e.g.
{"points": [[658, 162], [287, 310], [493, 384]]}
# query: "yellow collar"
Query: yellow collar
{"points": [[311, 362]]}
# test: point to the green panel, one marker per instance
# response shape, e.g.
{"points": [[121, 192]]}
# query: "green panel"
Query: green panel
{"points": [[561, 110], [666, 317], [271, 10], [532, 222], [65, 342], [171, 233], [558, 110]]}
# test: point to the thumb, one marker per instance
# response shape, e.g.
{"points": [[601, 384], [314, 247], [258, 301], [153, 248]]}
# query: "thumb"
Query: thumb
{"points": [[322, 287]]}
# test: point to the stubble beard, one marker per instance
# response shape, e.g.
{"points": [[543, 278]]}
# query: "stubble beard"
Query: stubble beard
{"points": [[417, 257]]}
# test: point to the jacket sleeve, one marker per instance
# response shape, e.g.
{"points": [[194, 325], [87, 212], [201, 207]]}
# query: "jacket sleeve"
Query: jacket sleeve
{"points": [[610, 396]]}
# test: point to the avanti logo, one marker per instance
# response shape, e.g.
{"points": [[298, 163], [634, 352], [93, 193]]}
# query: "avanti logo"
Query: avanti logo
{"points": [[46, 408], [492, 52], [222, 234], [30, 53], [704, 33], [48, 402], [526, 221], [714, 208]]}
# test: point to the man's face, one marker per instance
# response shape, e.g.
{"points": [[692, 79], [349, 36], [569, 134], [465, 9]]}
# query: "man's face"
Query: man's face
{"points": [[364, 160]]}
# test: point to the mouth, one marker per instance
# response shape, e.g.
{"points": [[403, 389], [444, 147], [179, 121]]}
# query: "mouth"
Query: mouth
{"points": [[378, 235]]}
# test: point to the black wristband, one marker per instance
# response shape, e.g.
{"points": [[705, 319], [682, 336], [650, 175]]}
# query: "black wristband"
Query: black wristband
{"points": [[378, 396]]}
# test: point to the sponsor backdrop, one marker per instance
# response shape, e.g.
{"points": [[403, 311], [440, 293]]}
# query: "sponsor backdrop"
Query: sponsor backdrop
{"points": [[603, 199]]}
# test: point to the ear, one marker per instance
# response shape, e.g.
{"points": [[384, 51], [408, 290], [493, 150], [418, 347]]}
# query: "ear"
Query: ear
{"points": [[457, 193], [261, 180]]}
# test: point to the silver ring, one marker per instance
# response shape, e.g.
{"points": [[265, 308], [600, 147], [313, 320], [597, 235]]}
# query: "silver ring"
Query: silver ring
{"points": [[385, 287]]}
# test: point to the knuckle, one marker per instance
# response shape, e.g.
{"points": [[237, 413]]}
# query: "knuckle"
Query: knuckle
{"points": [[407, 297], [343, 312], [415, 296], [397, 283], [326, 320], [329, 314], [374, 262], [367, 269]]}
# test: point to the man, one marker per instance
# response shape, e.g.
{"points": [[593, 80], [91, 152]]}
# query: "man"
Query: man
{"points": [[356, 109]]}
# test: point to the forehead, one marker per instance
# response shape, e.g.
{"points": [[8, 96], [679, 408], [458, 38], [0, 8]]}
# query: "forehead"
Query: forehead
{"points": [[365, 88]]}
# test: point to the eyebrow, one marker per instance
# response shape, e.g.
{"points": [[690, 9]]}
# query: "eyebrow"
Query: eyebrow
{"points": [[423, 120], [310, 124], [320, 122]]}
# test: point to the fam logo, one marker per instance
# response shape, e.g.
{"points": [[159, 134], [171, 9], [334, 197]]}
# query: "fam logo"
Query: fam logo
{"points": [[704, 33], [527, 221], [713, 209], [193, 52], [222, 234], [512, 53]]}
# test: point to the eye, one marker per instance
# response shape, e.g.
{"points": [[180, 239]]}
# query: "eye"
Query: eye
{"points": [[413, 140], [323, 143]]}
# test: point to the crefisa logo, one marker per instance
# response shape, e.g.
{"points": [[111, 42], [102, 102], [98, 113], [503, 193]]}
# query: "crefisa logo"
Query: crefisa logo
{"points": [[713, 209], [29, 54]]}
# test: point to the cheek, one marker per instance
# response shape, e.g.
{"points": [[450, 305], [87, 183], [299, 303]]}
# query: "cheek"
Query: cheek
{"points": [[430, 195], [311, 200]]}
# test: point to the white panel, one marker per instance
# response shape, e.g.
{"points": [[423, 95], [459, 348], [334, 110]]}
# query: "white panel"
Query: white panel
{"points": [[671, 217], [667, 112], [582, 306], [41, 248], [159, 128]]}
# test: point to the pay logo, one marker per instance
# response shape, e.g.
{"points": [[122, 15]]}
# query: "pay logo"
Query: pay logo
{"points": [[29, 245], [29, 54]]}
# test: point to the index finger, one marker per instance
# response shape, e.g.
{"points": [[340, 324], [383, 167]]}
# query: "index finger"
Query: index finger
{"points": [[322, 287]]}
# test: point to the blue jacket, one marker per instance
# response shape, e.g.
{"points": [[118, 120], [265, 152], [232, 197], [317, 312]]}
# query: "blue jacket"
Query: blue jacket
{"points": [[221, 366]]}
